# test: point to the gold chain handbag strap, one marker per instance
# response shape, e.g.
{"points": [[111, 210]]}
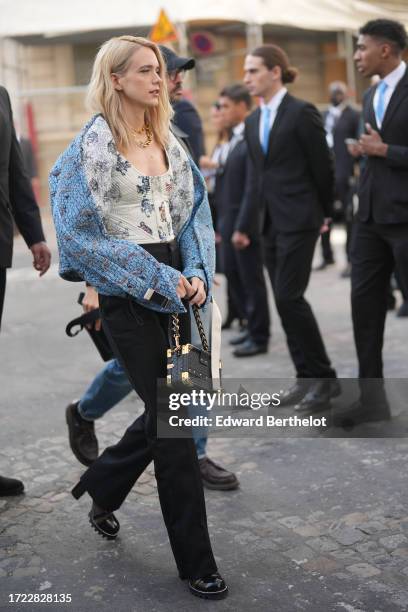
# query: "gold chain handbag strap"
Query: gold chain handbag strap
{"points": [[176, 328]]}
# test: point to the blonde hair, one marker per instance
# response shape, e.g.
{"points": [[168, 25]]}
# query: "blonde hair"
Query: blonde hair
{"points": [[114, 57]]}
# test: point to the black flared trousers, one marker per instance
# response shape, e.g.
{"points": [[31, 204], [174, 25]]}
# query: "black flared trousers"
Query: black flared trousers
{"points": [[139, 337]]}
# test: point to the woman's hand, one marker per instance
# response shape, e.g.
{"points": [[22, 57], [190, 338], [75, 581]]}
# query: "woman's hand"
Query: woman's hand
{"points": [[198, 295], [184, 289]]}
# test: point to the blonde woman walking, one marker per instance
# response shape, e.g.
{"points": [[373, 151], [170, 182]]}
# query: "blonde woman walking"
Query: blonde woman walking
{"points": [[132, 219]]}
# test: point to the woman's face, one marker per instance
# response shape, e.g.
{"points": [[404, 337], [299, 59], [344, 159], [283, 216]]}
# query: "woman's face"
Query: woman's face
{"points": [[141, 82], [217, 119]]}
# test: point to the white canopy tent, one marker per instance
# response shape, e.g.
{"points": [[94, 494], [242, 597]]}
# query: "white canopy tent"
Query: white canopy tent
{"points": [[51, 18]]}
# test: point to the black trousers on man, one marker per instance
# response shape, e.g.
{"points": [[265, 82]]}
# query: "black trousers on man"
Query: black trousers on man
{"points": [[246, 285], [344, 195], [140, 339], [2, 290], [375, 251], [288, 258]]}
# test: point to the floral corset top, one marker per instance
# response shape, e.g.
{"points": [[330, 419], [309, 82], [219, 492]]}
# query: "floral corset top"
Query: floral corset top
{"points": [[139, 205]]}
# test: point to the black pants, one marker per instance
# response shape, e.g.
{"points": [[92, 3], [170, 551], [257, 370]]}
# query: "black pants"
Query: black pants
{"points": [[375, 251], [140, 339], [246, 284], [343, 193], [288, 258], [2, 290]]}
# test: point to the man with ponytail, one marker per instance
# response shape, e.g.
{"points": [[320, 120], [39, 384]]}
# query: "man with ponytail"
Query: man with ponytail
{"points": [[292, 185]]}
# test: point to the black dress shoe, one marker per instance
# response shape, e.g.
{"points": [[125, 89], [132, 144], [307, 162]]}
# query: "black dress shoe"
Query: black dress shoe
{"points": [[249, 348], [10, 487], [319, 395], [346, 273], [240, 339], [82, 438], [403, 310], [104, 522], [323, 265], [209, 587], [294, 394], [362, 412], [391, 301], [216, 477]]}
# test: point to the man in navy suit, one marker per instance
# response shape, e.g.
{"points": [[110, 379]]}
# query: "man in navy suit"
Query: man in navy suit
{"points": [[238, 226]]}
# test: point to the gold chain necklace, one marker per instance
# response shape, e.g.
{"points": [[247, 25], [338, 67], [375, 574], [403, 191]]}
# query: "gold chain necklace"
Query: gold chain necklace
{"points": [[146, 129]]}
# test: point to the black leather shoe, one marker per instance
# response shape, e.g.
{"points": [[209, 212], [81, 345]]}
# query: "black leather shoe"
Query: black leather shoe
{"points": [[294, 394], [216, 477], [391, 301], [362, 412], [104, 522], [346, 273], [323, 265], [209, 587], [249, 348], [403, 310], [10, 487], [240, 339], [319, 395], [82, 438]]}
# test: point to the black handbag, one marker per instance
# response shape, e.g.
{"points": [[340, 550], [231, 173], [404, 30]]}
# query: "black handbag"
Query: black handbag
{"points": [[87, 321], [187, 364]]}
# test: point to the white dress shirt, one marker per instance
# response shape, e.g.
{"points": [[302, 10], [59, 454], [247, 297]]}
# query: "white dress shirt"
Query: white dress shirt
{"points": [[333, 115], [237, 135], [392, 79], [273, 106]]}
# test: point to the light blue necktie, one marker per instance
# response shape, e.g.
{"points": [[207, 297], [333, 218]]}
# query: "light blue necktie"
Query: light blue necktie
{"points": [[266, 118], [380, 108]]}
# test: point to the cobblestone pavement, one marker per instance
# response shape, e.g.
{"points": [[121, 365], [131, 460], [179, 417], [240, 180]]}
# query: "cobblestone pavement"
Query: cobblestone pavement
{"points": [[317, 524]]}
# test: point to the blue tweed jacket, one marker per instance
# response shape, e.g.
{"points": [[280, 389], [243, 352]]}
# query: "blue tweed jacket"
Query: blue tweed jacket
{"points": [[82, 188]]}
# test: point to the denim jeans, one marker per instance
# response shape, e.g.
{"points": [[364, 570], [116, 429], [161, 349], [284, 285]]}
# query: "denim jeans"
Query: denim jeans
{"points": [[111, 385]]}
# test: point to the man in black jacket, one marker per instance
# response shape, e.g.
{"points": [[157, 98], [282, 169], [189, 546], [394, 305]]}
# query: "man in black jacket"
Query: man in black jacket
{"points": [[341, 122], [16, 201], [293, 181], [186, 122], [380, 236], [240, 239]]}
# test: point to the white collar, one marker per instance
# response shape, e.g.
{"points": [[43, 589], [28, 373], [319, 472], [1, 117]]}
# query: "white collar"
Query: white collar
{"points": [[275, 101], [393, 78], [238, 129], [337, 110]]}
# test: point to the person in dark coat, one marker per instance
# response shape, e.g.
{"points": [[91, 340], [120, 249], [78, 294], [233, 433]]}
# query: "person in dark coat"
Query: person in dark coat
{"points": [[18, 205], [380, 233], [341, 122], [242, 264], [293, 182]]}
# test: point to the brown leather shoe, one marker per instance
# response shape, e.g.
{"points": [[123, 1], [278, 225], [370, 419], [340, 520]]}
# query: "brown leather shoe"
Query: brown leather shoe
{"points": [[216, 477]]}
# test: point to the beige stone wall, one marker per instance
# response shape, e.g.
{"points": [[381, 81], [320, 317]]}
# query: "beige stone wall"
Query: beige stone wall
{"points": [[57, 107]]}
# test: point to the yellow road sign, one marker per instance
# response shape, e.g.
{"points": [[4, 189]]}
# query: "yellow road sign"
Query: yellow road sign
{"points": [[163, 30]]}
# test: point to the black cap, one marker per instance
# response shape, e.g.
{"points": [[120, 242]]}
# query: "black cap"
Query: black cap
{"points": [[174, 61]]}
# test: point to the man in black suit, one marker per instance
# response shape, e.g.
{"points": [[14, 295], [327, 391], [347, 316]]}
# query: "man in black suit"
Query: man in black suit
{"points": [[293, 181], [240, 247], [341, 122], [380, 233], [16, 201]]}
